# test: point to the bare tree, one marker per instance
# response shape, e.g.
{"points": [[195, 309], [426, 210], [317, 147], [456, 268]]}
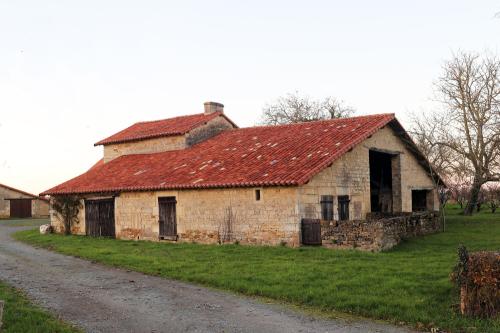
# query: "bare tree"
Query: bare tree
{"points": [[424, 134], [294, 108], [468, 129], [459, 191]]}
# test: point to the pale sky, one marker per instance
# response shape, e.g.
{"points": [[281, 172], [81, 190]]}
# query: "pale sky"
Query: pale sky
{"points": [[72, 73]]}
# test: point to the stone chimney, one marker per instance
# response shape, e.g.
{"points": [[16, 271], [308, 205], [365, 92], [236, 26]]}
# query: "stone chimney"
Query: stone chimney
{"points": [[211, 107]]}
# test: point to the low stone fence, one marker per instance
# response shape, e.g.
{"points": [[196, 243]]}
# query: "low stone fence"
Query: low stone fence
{"points": [[379, 232]]}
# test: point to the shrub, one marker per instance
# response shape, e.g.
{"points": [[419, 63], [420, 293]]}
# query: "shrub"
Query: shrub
{"points": [[478, 277]]}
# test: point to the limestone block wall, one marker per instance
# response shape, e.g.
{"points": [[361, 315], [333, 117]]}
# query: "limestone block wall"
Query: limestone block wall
{"points": [[154, 145], [350, 175], [39, 208], [212, 215], [77, 228]]}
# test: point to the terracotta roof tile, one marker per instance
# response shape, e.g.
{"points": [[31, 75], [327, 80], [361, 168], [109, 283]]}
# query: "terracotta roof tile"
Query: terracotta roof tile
{"points": [[159, 128], [255, 156]]}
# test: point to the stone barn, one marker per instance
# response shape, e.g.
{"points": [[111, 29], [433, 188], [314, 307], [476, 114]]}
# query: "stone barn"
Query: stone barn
{"points": [[15, 203], [352, 182]]}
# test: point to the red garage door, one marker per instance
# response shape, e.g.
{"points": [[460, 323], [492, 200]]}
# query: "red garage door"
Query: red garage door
{"points": [[20, 208]]}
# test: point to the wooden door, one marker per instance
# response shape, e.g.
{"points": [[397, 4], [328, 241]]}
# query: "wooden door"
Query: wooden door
{"points": [[100, 218], [168, 219], [20, 208], [311, 232]]}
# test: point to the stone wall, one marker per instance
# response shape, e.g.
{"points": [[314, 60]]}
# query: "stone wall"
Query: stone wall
{"points": [[350, 175], [77, 228], [39, 208], [379, 233], [208, 130], [209, 216], [156, 145]]}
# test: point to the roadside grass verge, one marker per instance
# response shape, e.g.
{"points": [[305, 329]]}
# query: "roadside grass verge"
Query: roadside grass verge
{"points": [[21, 316], [407, 285]]}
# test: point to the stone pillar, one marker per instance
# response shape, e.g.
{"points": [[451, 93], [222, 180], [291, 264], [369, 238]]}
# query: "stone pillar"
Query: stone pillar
{"points": [[397, 202], [430, 199]]}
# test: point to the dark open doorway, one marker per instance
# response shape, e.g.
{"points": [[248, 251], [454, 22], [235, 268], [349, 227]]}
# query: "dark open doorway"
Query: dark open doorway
{"points": [[381, 182], [419, 200]]}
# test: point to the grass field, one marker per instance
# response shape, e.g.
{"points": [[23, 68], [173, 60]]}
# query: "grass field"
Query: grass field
{"points": [[21, 316], [409, 284]]}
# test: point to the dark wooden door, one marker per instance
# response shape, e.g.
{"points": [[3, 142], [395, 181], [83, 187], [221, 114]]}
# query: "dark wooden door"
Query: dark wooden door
{"points": [[311, 232], [168, 219], [20, 208], [100, 218]]}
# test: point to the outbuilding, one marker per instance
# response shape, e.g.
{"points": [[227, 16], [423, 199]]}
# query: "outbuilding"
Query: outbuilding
{"points": [[16, 203], [201, 178]]}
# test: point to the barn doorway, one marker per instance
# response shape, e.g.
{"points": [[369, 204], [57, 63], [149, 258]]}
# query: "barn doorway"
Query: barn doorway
{"points": [[100, 218], [168, 218], [20, 208], [381, 182]]}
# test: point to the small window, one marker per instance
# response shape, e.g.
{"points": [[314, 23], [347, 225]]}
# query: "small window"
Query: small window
{"points": [[343, 207], [327, 207], [257, 195], [419, 200]]}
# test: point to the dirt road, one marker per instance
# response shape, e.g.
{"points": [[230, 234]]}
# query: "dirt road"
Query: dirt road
{"points": [[102, 299]]}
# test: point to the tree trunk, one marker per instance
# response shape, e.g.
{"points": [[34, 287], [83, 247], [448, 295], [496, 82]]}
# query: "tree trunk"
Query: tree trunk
{"points": [[474, 196], [67, 227]]}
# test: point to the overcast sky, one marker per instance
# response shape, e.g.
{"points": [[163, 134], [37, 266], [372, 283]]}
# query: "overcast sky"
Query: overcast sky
{"points": [[72, 73]]}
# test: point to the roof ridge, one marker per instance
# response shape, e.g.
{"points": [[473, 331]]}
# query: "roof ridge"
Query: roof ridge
{"points": [[176, 117], [322, 120]]}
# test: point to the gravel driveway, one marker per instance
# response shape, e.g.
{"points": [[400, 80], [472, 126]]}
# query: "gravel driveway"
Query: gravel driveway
{"points": [[102, 299]]}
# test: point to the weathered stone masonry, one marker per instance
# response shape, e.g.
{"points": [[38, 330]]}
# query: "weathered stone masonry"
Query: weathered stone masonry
{"points": [[379, 233], [202, 216]]}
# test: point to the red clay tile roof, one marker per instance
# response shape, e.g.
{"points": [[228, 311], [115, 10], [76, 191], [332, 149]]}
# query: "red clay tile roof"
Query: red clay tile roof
{"points": [[23, 192], [256, 156], [159, 128]]}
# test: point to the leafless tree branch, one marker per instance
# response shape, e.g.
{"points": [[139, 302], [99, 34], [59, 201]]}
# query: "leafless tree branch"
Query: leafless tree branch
{"points": [[294, 108]]}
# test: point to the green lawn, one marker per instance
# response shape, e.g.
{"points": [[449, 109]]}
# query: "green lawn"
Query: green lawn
{"points": [[20, 316], [409, 284]]}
